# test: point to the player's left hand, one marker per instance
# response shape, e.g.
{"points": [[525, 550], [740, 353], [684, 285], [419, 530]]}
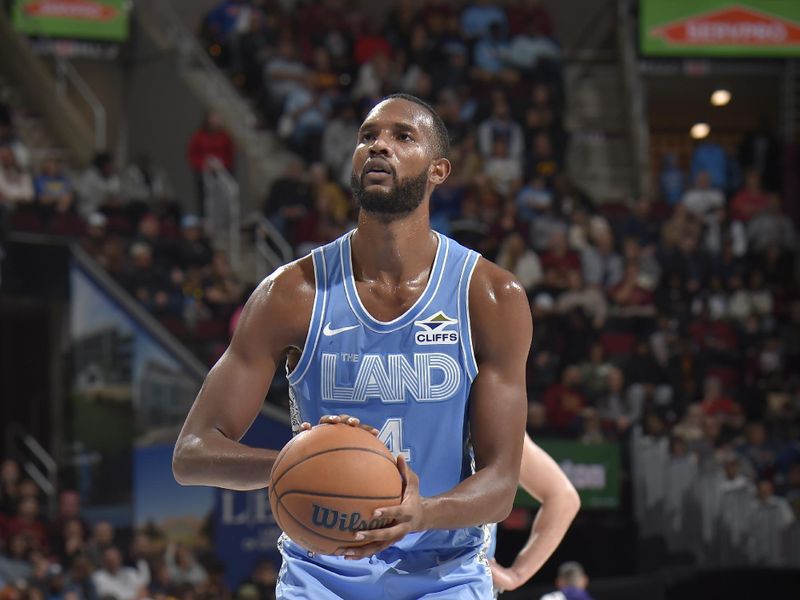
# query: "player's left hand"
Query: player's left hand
{"points": [[404, 518], [344, 419], [503, 578]]}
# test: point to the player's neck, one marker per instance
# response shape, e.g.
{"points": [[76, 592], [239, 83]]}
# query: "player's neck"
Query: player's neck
{"points": [[394, 251]]}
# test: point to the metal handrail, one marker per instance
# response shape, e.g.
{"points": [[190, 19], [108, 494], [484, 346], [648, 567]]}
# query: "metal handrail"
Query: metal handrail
{"points": [[269, 259], [222, 189], [46, 477], [640, 133], [66, 72]]}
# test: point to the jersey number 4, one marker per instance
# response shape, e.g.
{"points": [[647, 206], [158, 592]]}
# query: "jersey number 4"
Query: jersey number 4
{"points": [[392, 435]]}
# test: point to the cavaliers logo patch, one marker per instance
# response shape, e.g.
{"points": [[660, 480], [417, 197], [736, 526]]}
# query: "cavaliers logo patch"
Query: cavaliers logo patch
{"points": [[434, 330]]}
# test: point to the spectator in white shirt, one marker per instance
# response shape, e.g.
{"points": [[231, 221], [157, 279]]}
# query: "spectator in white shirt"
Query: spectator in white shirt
{"points": [[122, 583], [99, 186], [16, 186]]}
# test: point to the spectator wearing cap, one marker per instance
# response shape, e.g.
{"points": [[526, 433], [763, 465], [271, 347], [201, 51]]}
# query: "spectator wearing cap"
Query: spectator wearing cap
{"points": [[571, 582]]}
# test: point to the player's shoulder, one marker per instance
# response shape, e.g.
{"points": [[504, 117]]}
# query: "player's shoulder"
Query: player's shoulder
{"points": [[291, 286], [492, 285]]}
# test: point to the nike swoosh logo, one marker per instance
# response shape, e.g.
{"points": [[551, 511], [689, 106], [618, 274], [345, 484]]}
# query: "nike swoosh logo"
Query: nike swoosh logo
{"points": [[329, 332]]}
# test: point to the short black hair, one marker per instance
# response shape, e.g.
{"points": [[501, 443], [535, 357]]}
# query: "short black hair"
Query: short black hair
{"points": [[442, 141]]}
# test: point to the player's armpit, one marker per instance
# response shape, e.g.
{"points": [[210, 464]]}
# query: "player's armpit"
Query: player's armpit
{"points": [[275, 318]]}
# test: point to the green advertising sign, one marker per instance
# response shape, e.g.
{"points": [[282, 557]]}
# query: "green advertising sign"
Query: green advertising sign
{"points": [[102, 20], [592, 468], [720, 28]]}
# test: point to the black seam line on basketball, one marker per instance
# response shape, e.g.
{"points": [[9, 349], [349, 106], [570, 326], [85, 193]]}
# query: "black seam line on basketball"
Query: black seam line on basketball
{"points": [[313, 493], [343, 449], [307, 528], [279, 459]]}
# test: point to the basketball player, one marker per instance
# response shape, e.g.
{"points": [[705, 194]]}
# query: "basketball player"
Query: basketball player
{"points": [[543, 479], [405, 330]]}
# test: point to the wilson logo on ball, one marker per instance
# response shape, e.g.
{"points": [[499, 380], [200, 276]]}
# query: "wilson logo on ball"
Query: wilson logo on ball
{"points": [[333, 519]]}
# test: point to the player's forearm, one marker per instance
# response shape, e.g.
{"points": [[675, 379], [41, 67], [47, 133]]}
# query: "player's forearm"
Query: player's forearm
{"points": [[485, 497], [551, 523], [215, 460]]}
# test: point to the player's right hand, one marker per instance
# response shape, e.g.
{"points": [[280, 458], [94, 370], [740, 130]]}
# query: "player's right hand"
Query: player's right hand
{"points": [[348, 420], [504, 579]]}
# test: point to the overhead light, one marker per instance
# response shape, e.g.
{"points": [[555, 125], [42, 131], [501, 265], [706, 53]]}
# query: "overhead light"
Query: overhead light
{"points": [[700, 131], [720, 97]]}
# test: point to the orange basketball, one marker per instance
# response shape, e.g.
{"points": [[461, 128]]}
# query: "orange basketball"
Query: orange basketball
{"points": [[327, 482]]}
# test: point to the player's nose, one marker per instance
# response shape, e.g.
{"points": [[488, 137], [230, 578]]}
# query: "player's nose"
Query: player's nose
{"points": [[379, 146]]}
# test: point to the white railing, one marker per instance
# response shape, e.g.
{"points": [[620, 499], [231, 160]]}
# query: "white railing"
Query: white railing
{"points": [[36, 462], [67, 74], [223, 213], [272, 249]]}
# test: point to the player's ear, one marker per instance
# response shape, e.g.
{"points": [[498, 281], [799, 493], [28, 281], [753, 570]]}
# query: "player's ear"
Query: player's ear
{"points": [[439, 171]]}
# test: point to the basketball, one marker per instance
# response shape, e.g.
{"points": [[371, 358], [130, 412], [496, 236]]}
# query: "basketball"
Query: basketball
{"points": [[326, 483]]}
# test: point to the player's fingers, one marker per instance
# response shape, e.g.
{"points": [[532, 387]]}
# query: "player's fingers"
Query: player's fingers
{"points": [[329, 419], [305, 426], [398, 514], [382, 534], [370, 429]]}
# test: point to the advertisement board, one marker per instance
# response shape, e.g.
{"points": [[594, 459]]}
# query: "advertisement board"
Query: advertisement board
{"points": [[720, 28], [101, 20], [592, 468]]}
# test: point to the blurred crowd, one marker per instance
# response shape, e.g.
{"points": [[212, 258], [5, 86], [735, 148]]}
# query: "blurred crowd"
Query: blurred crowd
{"points": [[676, 315], [67, 558]]}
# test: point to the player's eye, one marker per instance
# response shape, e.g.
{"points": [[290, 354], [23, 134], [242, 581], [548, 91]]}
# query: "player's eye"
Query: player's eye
{"points": [[366, 136], [405, 137]]}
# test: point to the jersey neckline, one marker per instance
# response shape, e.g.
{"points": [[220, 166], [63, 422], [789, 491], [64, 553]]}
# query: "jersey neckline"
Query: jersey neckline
{"points": [[416, 309]]}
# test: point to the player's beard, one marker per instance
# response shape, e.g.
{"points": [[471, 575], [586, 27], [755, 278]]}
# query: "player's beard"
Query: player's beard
{"points": [[404, 197]]}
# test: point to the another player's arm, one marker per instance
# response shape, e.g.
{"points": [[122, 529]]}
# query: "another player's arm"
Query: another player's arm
{"points": [[543, 479], [274, 319], [502, 329]]}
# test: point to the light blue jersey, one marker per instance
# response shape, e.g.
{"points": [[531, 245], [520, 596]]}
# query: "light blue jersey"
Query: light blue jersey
{"points": [[410, 378]]}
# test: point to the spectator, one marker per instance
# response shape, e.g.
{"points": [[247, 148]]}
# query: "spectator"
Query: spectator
{"points": [[558, 261], [9, 139], [704, 201], [590, 300], [760, 152], [757, 450], [164, 249], [671, 179], [478, 18], [54, 193], [601, 264], [222, 289], [290, 198], [750, 200], [503, 170], [99, 186], [14, 564], [210, 142], [516, 257], [28, 523], [571, 582], [183, 568], [543, 161], [16, 185], [193, 248], [123, 583], [631, 296], [709, 156], [80, 581], [770, 227], [102, 539], [9, 490], [488, 58], [500, 125], [565, 402], [529, 48], [150, 286]]}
